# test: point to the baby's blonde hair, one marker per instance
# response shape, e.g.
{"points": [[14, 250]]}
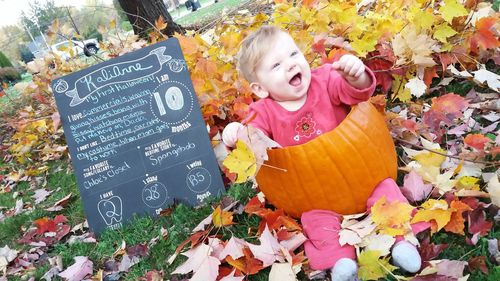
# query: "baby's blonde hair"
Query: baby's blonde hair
{"points": [[253, 48]]}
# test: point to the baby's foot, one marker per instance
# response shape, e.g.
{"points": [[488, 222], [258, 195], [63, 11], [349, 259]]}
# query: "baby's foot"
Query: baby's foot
{"points": [[406, 257], [345, 270]]}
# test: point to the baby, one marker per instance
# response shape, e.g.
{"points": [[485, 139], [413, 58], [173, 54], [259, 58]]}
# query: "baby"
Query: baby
{"points": [[298, 104]]}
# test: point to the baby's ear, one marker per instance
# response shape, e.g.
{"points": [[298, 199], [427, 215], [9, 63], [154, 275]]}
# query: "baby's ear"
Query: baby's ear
{"points": [[258, 90]]}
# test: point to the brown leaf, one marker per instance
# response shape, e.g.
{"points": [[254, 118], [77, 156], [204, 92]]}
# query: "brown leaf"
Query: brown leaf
{"points": [[478, 262]]}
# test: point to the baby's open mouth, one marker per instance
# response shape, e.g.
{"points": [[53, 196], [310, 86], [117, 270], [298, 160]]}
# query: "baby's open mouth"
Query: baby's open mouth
{"points": [[296, 80]]}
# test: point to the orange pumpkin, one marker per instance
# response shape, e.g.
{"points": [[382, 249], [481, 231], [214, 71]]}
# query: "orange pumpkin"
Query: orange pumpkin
{"points": [[336, 171]]}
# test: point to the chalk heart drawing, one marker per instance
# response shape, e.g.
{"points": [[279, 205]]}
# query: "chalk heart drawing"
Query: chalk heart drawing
{"points": [[110, 210]]}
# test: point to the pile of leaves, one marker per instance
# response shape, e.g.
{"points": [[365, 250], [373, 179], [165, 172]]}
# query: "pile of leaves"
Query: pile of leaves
{"points": [[436, 64]]}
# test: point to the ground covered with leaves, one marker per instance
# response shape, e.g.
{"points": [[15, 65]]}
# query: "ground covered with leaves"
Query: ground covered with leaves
{"points": [[436, 64]]}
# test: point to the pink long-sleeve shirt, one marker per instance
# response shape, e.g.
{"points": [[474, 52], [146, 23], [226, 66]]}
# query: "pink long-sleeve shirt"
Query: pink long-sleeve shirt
{"points": [[328, 102]]}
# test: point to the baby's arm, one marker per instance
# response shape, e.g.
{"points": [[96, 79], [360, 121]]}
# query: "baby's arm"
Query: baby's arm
{"points": [[353, 70]]}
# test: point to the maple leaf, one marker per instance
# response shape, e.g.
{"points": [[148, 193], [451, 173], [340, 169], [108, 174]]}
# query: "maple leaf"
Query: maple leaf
{"points": [[381, 243], [478, 223], [372, 267], [222, 218], [392, 218], [282, 272], [456, 223], [231, 277], [478, 262], [434, 210], [445, 109], [416, 86], [429, 251], [452, 9], [411, 46], [234, 248], [485, 36], [443, 31], [484, 76], [493, 189], [414, 188], [247, 264], [269, 249], [45, 225], [241, 161], [451, 268], [478, 141], [77, 271], [197, 257]]}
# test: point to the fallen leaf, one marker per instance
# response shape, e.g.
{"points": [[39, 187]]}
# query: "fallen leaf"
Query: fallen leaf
{"points": [[231, 277], [282, 272], [372, 267], [416, 86], [434, 210], [414, 188], [77, 271], [40, 195], [451, 268], [493, 189], [392, 218], [478, 223], [222, 218], [477, 141], [456, 223], [234, 248], [484, 76], [269, 249], [452, 9], [478, 262]]}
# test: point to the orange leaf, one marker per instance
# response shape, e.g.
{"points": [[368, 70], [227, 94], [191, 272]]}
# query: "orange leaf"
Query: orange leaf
{"points": [[484, 36], [222, 218], [45, 225], [309, 3], [188, 44], [247, 264], [429, 73], [160, 23], [391, 218], [477, 141], [456, 224]]}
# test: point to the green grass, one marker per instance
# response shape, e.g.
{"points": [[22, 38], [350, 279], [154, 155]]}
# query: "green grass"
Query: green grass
{"points": [[207, 12]]}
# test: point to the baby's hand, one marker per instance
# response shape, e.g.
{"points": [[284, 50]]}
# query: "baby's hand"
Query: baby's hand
{"points": [[349, 66], [230, 133], [353, 70]]}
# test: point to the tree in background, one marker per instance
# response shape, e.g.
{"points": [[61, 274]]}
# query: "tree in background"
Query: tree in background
{"points": [[10, 38], [143, 14], [41, 15], [4, 61]]}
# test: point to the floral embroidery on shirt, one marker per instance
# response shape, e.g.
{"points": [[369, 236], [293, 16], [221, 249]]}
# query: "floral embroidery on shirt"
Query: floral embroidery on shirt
{"points": [[305, 127]]}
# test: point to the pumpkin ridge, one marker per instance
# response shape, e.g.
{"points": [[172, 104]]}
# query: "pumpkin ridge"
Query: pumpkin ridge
{"points": [[327, 198], [348, 183], [361, 131], [306, 194]]}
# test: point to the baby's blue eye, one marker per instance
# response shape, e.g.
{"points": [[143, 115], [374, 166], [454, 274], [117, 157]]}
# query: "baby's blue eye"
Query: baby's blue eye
{"points": [[294, 53], [276, 65]]}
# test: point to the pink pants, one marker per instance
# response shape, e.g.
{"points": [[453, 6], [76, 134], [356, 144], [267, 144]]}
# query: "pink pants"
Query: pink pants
{"points": [[322, 229]]}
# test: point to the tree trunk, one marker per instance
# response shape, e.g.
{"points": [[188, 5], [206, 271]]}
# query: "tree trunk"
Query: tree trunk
{"points": [[142, 16]]}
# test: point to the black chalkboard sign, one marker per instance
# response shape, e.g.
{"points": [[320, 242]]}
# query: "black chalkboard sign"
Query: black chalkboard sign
{"points": [[136, 135]]}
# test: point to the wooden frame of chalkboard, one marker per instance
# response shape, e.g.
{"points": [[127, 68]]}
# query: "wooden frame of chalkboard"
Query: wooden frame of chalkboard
{"points": [[136, 135]]}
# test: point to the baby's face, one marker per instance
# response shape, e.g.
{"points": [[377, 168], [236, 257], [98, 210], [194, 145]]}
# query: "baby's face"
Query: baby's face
{"points": [[284, 72]]}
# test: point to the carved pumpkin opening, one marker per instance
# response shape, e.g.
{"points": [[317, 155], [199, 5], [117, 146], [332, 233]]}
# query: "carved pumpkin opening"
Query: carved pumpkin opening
{"points": [[335, 171]]}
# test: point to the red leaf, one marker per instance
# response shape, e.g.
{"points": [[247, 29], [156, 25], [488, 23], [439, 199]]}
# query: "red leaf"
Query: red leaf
{"points": [[478, 262], [45, 225], [60, 219], [446, 59], [382, 71], [429, 251], [445, 109], [254, 206], [484, 36], [138, 250], [477, 141], [478, 223]]}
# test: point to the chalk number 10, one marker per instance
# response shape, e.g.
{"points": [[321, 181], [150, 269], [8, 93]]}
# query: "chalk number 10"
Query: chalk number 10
{"points": [[173, 98]]}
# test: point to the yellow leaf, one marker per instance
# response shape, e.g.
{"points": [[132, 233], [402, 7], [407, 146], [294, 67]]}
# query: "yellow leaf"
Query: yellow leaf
{"points": [[430, 158], [241, 161], [222, 218], [365, 44], [391, 218], [423, 20], [443, 31], [112, 24], [452, 9], [434, 210], [400, 92], [468, 182], [371, 267]]}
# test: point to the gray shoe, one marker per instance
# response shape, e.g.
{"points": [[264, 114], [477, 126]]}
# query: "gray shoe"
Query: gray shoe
{"points": [[406, 257], [345, 270]]}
